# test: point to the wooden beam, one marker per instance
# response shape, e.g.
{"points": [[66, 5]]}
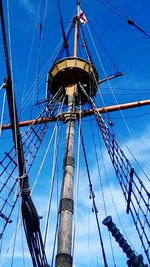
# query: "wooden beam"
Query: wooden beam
{"points": [[84, 113], [116, 75], [117, 107]]}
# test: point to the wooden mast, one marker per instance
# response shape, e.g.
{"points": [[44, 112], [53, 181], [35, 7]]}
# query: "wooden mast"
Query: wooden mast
{"points": [[64, 257]]}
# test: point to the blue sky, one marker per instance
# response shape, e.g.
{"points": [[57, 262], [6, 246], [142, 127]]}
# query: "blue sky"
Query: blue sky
{"points": [[129, 49]]}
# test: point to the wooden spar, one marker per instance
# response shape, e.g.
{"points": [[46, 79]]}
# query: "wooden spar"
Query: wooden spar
{"points": [[116, 75], [117, 107], [84, 113]]}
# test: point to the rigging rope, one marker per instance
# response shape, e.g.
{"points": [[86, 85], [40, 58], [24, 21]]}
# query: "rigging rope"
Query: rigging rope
{"points": [[102, 98], [65, 44], [10, 174], [12, 239], [42, 22], [56, 229], [30, 232], [113, 94], [22, 241], [120, 14], [89, 223], [40, 43], [17, 225], [105, 49], [44, 158], [29, 60], [62, 49], [2, 114], [9, 245], [111, 194], [28, 98], [131, 185], [9, 39], [67, 34], [85, 45], [92, 196], [31, 192], [55, 240], [55, 157], [2, 86], [77, 187], [102, 190], [98, 167], [114, 9], [5, 41]]}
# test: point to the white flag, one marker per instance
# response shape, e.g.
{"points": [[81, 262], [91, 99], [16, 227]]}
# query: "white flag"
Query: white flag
{"points": [[82, 17]]}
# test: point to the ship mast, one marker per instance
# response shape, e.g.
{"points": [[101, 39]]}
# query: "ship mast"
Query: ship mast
{"points": [[75, 80], [63, 257]]}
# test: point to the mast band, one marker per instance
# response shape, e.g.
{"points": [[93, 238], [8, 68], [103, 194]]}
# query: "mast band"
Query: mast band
{"points": [[68, 161], [66, 204]]}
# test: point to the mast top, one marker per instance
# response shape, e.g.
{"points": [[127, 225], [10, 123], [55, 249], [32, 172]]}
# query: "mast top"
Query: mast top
{"points": [[76, 29], [70, 71]]}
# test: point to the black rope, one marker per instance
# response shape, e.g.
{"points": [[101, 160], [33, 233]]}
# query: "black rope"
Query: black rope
{"points": [[39, 55], [65, 44], [101, 185], [53, 180], [113, 9], [62, 49], [89, 57], [8, 69], [31, 220], [11, 101], [29, 213], [132, 23], [33, 234], [123, 169], [31, 143], [92, 196], [13, 111], [120, 14], [104, 47]]}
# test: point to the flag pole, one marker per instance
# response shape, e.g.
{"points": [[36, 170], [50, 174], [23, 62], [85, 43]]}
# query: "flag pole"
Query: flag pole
{"points": [[76, 29]]}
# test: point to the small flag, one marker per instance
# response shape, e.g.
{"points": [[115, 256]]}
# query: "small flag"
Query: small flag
{"points": [[82, 17]]}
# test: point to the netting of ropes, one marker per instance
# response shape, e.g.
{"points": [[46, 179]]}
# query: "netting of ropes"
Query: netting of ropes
{"points": [[136, 194]]}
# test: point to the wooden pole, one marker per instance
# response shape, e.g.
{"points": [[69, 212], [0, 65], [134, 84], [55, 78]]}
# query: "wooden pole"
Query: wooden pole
{"points": [[84, 113], [64, 257], [76, 31]]}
